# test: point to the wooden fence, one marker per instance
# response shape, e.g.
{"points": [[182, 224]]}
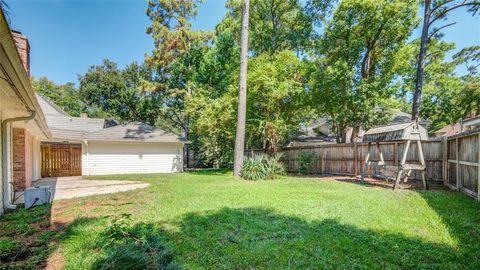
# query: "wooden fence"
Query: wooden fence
{"points": [[348, 159], [60, 159], [462, 163], [454, 161]]}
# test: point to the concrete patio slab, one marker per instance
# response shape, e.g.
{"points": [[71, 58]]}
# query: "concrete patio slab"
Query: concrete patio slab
{"points": [[74, 187]]}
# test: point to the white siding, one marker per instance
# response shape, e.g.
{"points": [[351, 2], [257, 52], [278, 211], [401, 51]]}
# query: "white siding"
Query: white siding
{"points": [[131, 157]]}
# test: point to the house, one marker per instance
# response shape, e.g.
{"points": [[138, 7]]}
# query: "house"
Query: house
{"points": [[459, 127], [319, 131], [471, 123], [88, 146], [23, 125], [38, 139], [449, 130]]}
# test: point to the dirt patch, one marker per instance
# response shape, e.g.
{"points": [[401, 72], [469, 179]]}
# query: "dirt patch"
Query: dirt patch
{"points": [[55, 261]]}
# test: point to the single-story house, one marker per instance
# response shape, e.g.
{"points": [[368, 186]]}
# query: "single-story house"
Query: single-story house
{"points": [[319, 132], [23, 125], [88, 146], [38, 139], [459, 127]]}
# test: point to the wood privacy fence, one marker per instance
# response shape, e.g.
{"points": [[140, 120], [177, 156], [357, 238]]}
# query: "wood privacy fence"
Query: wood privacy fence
{"points": [[454, 161], [60, 159]]}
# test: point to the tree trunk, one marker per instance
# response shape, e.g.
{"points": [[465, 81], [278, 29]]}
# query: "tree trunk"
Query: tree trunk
{"points": [[242, 94], [417, 96]]}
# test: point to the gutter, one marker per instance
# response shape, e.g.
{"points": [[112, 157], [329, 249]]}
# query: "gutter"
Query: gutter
{"points": [[6, 158]]}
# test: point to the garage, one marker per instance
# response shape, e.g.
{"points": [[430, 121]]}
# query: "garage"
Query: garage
{"points": [[95, 146], [131, 148], [123, 157]]}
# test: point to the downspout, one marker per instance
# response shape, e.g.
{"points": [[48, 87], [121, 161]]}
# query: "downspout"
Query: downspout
{"points": [[6, 158]]}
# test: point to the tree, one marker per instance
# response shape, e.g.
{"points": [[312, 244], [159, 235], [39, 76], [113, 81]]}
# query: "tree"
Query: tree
{"points": [[278, 24], [65, 96], [434, 11], [125, 95], [469, 98], [175, 57], [357, 61], [277, 100], [242, 93]]}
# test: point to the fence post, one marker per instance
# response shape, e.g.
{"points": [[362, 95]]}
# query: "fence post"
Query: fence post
{"points": [[355, 159], [323, 160], [478, 169], [445, 160], [457, 171], [395, 154]]}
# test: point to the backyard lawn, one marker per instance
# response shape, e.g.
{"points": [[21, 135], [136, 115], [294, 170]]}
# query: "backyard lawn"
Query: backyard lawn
{"points": [[210, 220]]}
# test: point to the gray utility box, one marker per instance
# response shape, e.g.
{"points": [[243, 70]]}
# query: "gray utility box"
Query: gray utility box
{"points": [[37, 196]]}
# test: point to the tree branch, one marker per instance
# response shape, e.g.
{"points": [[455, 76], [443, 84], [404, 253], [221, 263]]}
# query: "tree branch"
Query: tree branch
{"points": [[452, 8], [438, 29]]}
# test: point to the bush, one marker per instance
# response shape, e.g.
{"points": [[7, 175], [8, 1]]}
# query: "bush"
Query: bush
{"points": [[262, 167], [305, 161]]}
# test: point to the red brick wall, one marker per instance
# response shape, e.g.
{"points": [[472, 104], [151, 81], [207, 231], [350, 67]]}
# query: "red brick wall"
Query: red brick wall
{"points": [[22, 153], [23, 48]]}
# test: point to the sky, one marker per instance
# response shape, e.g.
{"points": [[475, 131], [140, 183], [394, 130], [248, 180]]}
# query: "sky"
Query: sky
{"points": [[66, 37]]}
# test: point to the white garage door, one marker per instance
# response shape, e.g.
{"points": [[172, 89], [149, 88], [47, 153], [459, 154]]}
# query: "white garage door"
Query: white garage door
{"points": [[132, 157]]}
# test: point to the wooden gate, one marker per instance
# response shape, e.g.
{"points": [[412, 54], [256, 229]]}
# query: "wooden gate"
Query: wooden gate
{"points": [[61, 159]]}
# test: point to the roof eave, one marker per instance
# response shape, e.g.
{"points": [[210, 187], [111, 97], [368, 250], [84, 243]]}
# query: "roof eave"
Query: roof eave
{"points": [[21, 79]]}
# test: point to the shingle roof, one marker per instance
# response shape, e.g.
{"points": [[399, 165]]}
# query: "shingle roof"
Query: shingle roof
{"points": [[48, 107], [59, 119], [75, 123], [133, 132], [66, 127], [65, 134], [389, 128]]}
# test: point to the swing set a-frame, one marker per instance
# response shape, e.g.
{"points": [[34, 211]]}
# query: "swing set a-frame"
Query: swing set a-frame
{"points": [[409, 133]]}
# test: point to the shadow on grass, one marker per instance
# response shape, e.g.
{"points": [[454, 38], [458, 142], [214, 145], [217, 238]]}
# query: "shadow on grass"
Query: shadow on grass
{"points": [[461, 215], [222, 172], [27, 238], [252, 238], [96, 243]]}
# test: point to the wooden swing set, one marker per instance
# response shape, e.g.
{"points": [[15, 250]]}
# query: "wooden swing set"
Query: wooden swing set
{"points": [[406, 132]]}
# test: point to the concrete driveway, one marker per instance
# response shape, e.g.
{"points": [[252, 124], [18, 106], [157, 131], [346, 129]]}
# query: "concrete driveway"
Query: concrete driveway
{"points": [[74, 187]]}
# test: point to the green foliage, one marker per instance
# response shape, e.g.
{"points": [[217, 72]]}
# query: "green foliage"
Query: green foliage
{"points": [[358, 59], [446, 96], [127, 95], [262, 167], [65, 96], [305, 161], [127, 246], [277, 24], [277, 102], [27, 238], [176, 56]]}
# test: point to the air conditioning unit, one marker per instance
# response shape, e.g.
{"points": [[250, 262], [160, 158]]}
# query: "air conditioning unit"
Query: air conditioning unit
{"points": [[37, 196]]}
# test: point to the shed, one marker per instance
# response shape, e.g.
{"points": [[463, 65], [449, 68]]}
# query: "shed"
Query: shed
{"points": [[398, 132]]}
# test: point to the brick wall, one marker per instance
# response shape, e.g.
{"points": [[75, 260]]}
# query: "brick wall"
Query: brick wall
{"points": [[23, 48], [22, 152]]}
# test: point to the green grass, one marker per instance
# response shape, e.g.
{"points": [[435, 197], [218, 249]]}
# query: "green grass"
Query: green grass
{"points": [[26, 238], [210, 220]]}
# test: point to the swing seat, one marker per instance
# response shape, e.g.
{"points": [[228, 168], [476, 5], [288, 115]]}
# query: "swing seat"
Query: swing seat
{"points": [[388, 172], [415, 167]]}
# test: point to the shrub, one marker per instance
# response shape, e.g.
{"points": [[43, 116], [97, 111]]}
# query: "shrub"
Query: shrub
{"points": [[305, 161], [261, 167]]}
